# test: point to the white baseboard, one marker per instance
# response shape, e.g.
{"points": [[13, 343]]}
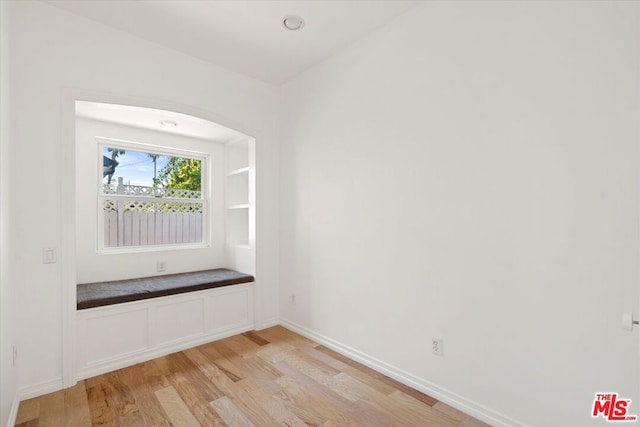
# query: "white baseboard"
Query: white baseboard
{"points": [[467, 406], [461, 403], [270, 323], [14, 412], [40, 389]]}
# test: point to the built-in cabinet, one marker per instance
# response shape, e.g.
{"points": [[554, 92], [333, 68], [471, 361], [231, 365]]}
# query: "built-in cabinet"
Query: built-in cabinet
{"points": [[120, 335], [115, 336]]}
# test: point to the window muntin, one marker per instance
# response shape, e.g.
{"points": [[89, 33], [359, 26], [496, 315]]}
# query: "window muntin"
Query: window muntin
{"points": [[151, 197]]}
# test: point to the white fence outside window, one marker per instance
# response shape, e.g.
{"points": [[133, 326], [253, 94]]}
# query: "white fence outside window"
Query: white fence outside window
{"points": [[141, 216]]}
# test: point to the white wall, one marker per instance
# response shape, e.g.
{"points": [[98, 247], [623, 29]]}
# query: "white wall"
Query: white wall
{"points": [[470, 172], [7, 315], [53, 50], [94, 267]]}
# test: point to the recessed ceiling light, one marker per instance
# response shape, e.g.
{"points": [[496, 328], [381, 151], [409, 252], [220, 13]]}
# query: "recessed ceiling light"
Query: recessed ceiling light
{"points": [[168, 123], [292, 22]]}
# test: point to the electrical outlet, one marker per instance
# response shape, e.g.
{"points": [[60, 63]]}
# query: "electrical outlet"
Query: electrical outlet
{"points": [[49, 255], [437, 346], [293, 298], [161, 266]]}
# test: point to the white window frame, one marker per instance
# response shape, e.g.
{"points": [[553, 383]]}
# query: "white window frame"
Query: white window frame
{"points": [[205, 198]]}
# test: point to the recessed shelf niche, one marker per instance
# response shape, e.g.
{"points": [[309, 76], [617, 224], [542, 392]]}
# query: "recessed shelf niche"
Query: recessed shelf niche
{"points": [[240, 205]]}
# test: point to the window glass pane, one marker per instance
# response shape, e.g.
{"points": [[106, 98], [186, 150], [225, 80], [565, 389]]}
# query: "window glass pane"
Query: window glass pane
{"points": [[151, 199], [141, 169], [139, 223]]}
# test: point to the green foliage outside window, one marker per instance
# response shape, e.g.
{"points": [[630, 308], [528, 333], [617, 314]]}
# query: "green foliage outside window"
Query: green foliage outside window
{"points": [[181, 173]]}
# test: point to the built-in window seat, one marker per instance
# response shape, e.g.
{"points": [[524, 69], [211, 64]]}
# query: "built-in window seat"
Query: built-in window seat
{"points": [[91, 295]]}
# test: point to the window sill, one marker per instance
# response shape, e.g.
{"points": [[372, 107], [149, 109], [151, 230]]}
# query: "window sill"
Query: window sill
{"points": [[149, 248]]}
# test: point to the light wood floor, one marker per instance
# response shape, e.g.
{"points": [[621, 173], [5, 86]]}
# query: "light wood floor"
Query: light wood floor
{"points": [[272, 377]]}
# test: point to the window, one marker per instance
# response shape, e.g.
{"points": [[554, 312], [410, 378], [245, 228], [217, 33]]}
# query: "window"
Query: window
{"points": [[150, 197]]}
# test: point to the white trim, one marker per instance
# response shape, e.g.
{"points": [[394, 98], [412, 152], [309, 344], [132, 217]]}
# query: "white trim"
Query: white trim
{"points": [[68, 280], [259, 294], [119, 250], [145, 355], [204, 200], [40, 389], [13, 414], [149, 148], [269, 323], [461, 403]]}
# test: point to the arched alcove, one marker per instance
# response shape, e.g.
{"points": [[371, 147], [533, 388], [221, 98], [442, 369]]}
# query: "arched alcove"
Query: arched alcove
{"points": [[106, 338]]}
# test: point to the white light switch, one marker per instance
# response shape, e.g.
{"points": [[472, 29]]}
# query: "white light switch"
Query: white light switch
{"points": [[628, 322], [49, 256]]}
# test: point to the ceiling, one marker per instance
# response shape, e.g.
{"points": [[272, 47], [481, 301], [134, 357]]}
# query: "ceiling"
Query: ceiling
{"points": [[150, 118], [246, 36]]}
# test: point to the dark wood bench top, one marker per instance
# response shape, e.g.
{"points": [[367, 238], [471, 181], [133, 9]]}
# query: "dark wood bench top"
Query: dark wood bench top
{"points": [[92, 295]]}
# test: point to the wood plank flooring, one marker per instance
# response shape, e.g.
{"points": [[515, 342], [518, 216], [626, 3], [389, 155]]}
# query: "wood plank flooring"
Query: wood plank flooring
{"points": [[272, 377]]}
